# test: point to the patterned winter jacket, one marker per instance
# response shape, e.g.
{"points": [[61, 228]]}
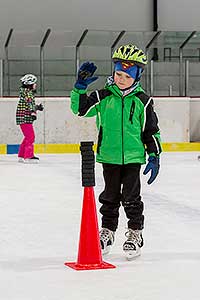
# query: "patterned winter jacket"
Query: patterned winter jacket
{"points": [[128, 125], [26, 106]]}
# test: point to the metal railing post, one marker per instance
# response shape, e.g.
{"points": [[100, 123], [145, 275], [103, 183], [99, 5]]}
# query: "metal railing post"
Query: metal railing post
{"points": [[116, 41], [155, 37], [77, 54], [7, 57], [41, 72], [42, 61], [170, 90], [186, 77], [1, 77], [151, 78], [181, 74]]}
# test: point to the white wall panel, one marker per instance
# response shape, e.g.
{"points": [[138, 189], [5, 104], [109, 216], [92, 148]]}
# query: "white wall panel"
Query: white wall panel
{"points": [[174, 118], [76, 14], [195, 120], [56, 124], [179, 118], [178, 15]]}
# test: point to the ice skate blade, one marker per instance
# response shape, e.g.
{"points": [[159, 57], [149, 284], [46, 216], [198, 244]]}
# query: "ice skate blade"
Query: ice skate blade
{"points": [[21, 160], [131, 255], [31, 161], [106, 251]]}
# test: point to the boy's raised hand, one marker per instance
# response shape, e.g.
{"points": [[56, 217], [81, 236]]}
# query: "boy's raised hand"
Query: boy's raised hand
{"points": [[153, 166], [85, 75]]}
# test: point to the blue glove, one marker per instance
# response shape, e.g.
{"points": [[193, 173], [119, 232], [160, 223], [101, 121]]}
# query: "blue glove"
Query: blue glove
{"points": [[153, 166], [85, 75]]}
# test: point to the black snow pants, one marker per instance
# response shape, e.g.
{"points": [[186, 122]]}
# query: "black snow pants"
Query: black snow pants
{"points": [[122, 186]]}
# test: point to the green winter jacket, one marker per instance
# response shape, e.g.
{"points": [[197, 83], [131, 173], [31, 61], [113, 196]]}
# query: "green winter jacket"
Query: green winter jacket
{"points": [[128, 125]]}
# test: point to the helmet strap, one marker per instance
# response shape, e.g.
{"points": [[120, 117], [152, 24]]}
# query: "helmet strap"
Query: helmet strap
{"points": [[139, 73]]}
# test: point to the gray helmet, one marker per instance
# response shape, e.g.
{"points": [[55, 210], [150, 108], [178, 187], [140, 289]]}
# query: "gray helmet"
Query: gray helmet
{"points": [[28, 79]]}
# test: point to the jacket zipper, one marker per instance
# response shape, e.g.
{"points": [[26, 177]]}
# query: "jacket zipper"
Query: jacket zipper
{"points": [[123, 130], [132, 112]]}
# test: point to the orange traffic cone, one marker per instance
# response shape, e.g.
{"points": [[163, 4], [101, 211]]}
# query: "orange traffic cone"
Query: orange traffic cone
{"points": [[89, 254]]}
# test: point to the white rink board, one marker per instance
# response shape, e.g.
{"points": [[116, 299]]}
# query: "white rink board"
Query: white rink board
{"points": [[174, 118], [57, 124]]}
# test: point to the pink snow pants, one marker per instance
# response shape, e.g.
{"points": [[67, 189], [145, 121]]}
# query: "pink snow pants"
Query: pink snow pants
{"points": [[26, 149]]}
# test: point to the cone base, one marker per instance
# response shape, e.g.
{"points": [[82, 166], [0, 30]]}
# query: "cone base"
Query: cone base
{"points": [[81, 267]]}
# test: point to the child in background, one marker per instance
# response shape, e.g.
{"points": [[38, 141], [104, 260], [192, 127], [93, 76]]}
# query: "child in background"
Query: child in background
{"points": [[26, 114], [128, 130]]}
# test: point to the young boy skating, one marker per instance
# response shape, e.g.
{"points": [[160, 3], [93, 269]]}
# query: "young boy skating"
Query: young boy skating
{"points": [[128, 130]]}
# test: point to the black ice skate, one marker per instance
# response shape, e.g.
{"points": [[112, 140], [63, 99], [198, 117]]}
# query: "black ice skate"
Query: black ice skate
{"points": [[133, 244], [106, 240], [32, 160]]}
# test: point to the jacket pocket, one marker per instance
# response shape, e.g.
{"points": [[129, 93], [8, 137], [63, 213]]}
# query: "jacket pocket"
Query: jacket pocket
{"points": [[100, 136]]}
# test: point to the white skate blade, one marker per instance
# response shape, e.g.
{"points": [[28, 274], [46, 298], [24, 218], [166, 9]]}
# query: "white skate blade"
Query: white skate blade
{"points": [[131, 254], [21, 160], [106, 250], [31, 161]]}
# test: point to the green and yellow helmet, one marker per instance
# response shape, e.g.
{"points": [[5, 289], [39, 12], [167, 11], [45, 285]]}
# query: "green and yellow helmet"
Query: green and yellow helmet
{"points": [[130, 53]]}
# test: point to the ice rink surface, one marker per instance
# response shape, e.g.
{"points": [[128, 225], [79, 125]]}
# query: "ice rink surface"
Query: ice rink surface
{"points": [[40, 213]]}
